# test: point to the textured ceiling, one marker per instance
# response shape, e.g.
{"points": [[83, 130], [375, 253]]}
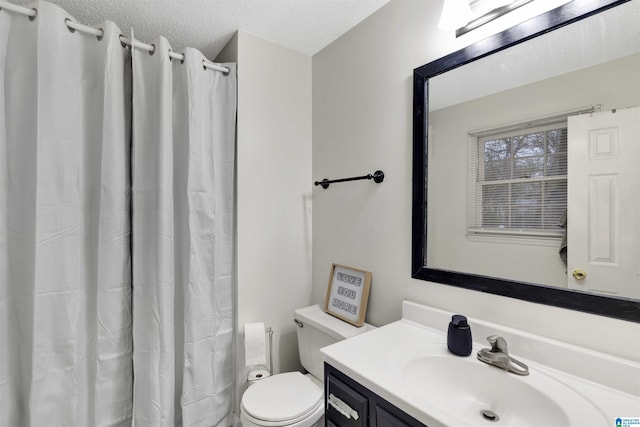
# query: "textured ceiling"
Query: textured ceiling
{"points": [[302, 25]]}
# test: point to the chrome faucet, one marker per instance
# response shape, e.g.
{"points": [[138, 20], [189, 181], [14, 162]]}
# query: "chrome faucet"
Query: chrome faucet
{"points": [[498, 356]]}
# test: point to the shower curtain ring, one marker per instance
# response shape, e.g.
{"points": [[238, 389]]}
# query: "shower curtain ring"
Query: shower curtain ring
{"points": [[66, 22]]}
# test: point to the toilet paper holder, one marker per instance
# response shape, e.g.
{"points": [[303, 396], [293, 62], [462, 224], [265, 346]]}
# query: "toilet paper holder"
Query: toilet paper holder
{"points": [[269, 331]]}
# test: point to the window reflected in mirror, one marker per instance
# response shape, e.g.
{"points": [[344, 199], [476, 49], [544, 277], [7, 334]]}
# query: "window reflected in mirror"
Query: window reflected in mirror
{"points": [[518, 181]]}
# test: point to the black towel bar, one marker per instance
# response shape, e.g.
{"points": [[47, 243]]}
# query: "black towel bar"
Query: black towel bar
{"points": [[378, 177]]}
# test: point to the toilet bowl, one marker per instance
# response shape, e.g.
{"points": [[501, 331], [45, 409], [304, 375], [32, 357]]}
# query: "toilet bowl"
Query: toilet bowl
{"points": [[294, 399], [290, 399]]}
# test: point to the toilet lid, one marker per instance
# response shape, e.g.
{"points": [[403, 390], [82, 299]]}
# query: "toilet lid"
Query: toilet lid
{"points": [[281, 397]]}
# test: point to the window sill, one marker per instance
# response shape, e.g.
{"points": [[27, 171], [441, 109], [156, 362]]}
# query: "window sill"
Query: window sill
{"points": [[516, 237]]}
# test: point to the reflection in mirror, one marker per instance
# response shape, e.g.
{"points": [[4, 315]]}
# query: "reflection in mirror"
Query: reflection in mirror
{"points": [[519, 195]]}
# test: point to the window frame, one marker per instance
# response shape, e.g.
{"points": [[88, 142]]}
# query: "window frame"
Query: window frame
{"points": [[475, 229]]}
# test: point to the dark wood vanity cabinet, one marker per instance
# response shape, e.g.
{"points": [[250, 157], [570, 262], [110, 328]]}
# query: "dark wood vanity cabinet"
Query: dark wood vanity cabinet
{"points": [[351, 397]]}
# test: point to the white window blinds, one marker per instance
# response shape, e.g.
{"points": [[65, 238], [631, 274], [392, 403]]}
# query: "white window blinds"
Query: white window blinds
{"points": [[518, 180]]}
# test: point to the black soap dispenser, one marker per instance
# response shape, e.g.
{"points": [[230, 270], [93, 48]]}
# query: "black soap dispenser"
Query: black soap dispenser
{"points": [[459, 336]]}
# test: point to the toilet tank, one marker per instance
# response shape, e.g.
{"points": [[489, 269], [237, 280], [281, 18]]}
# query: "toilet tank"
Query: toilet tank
{"points": [[317, 329]]}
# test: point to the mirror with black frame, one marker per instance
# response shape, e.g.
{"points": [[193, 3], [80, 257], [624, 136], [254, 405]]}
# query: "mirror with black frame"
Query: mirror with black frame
{"points": [[524, 154]]}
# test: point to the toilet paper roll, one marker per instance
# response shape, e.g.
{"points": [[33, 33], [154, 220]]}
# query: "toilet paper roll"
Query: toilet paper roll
{"points": [[254, 344], [257, 373]]}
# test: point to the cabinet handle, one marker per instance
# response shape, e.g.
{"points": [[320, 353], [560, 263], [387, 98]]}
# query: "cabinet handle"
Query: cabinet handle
{"points": [[342, 407]]}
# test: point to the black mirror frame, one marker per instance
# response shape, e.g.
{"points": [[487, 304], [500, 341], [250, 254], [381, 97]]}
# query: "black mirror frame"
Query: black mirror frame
{"points": [[619, 308]]}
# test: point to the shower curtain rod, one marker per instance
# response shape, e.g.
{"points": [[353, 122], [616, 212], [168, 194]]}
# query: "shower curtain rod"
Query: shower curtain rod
{"points": [[98, 32]]}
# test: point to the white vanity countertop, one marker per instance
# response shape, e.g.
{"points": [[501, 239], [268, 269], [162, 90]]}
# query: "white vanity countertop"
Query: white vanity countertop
{"points": [[374, 360]]}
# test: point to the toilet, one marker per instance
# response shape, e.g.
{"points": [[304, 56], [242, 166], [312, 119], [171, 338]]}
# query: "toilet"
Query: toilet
{"points": [[294, 399]]}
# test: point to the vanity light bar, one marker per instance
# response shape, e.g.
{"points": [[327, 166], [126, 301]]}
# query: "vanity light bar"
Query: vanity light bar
{"points": [[98, 32], [490, 16]]}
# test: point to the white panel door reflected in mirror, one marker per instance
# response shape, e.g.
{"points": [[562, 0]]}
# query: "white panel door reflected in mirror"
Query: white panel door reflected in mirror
{"points": [[603, 250]]}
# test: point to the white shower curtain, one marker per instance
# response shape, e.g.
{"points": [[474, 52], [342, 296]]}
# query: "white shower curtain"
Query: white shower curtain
{"points": [[182, 238], [80, 344]]}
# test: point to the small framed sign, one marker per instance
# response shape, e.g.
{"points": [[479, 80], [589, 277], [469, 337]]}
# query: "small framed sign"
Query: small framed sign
{"points": [[348, 293]]}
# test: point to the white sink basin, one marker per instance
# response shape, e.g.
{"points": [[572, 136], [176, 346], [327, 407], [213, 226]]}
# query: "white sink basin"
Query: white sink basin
{"points": [[474, 392], [407, 364]]}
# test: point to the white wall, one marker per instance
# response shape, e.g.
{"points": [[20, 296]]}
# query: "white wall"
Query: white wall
{"points": [[273, 193], [362, 121]]}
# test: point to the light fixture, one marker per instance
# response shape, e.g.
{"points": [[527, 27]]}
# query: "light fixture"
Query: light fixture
{"points": [[497, 9], [455, 14]]}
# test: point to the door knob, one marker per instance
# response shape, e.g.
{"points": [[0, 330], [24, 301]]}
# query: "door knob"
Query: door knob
{"points": [[579, 274]]}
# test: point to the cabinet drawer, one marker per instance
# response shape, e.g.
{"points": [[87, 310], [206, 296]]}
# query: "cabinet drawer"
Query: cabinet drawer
{"points": [[385, 418], [345, 406]]}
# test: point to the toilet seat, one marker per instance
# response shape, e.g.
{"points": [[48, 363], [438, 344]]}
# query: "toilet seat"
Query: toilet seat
{"points": [[307, 420], [282, 399]]}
